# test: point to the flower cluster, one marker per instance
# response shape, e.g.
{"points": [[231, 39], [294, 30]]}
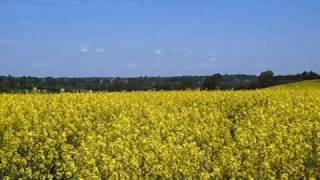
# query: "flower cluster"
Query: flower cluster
{"points": [[263, 134]]}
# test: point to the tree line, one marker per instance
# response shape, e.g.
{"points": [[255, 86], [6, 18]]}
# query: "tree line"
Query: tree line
{"points": [[216, 81]]}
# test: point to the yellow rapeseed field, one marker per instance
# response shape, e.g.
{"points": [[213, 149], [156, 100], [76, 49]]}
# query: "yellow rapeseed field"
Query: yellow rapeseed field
{"points": [[262, 134]]}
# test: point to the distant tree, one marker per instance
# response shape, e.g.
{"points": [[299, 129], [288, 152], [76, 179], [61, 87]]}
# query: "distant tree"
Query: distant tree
{"points": [[217, 81], [186, 84], [266, 78], [117, 84], [309, 75], [213, 82]]}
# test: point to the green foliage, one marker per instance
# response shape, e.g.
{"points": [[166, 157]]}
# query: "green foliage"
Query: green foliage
{"points": [[213, 82], [266, 78], [216, 81]]}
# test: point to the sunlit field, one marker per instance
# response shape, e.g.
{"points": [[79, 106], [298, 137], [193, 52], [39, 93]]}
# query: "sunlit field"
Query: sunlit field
{"points": [[262, 134], [311, 84]]}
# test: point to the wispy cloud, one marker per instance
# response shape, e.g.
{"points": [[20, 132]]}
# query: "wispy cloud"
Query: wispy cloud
{"points": [[212, 59], [207, 65], [190, 52], [41, 65], [84, 49], [99, 50], [158, 51], [132, 65]]}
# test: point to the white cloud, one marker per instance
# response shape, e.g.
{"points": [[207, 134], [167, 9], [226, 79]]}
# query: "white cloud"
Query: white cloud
{"points": [[41, 65], [207, 65], [132, 65], [84, 49], [158, 52], [212, 59], [99, 50], [189, 53]]}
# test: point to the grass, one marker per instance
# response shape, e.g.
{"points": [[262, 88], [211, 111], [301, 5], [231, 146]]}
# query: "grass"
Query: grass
{"points": [[309, 84]]}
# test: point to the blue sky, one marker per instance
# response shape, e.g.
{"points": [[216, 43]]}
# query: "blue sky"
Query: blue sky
{"points": [[158, 37]]}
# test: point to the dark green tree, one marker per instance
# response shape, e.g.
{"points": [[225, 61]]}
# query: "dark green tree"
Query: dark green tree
{"points": [[309, 75], [213, 82], [266, 78]]}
